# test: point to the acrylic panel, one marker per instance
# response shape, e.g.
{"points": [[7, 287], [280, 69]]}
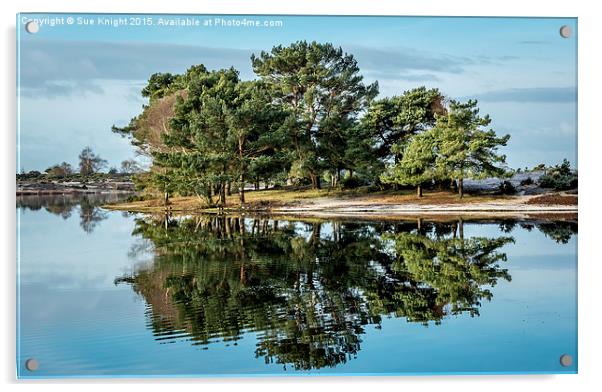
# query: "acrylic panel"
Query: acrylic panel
{"points": [[248, 195]]}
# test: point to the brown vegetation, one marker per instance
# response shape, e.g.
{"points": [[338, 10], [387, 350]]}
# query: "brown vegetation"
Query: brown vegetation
{"points": [[554, 199]]}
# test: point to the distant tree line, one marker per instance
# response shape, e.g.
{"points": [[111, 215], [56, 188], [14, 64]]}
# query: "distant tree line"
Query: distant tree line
{"points": [[307, 118], [90, 163]]}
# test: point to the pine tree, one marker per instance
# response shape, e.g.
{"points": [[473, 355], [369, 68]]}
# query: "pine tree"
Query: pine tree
{"points": [[321, 87], [465, 150], [417, 165]]}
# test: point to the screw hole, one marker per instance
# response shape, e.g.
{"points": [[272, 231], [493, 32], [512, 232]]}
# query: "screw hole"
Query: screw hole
{"points": [[566, 31]]}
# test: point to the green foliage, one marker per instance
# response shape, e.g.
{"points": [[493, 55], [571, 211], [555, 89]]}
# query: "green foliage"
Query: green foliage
{"points": [[417, 164], [506, 188], [560, 177], [465, 149], [257, 134], [30, 175], [526, 181], [455, 148], [391, 121], [541, 166], [158, 86], [309, 116], [353, 182], [321, 88], [198, 152]]}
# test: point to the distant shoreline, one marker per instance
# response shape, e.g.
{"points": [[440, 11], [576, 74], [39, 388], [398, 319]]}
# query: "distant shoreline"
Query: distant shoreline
{"points": [[100, 183], [54, 192]]}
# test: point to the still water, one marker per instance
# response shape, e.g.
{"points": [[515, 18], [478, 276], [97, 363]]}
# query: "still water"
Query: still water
{"points": [[105, 293]]}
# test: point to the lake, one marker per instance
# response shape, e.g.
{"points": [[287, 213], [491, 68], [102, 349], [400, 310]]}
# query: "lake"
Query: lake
{"points": [[104, 293]]}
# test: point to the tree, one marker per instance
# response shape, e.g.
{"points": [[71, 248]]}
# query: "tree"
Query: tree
{"points": [[89, 162], [61, 170], [465, 150], [130, 166], [417, 164], [321, 87], [391, 121], [159, 85], [199, 155], [256, 131]]}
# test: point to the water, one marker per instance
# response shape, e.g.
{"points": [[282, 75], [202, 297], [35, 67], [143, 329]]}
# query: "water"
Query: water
{"points": [[115, 294]]}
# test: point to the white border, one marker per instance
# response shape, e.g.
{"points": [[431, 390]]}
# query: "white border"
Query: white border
{"points": [[590, 143]]}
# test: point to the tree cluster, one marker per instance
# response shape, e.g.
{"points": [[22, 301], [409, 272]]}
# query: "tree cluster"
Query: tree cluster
{"points": [[455, 148], [308, 117], [89, 163]]}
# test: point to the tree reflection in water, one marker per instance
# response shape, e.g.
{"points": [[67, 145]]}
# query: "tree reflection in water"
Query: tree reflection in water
{"points": [[308, 289], [63, 205]]}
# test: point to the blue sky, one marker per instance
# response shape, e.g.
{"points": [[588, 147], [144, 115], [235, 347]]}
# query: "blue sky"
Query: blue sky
{"points": [[77, 80]]}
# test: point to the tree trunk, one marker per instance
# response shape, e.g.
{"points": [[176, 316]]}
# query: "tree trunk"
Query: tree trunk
{"points": [[229, 188], [241, 191], [419, 190], [315, 181], [222, 195], [267, 185], [166, 198], [461, 187]]}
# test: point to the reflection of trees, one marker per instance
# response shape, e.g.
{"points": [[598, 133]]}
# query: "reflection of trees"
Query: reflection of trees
{"points": [[307, 289], [559, 231], [90, 215], [452, 272], [64, 205]]}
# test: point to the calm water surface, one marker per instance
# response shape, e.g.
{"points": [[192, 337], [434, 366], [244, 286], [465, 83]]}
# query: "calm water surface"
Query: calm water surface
{"points": [[115, 294]]}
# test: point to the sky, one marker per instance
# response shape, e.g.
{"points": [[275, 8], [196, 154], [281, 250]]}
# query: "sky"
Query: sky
{"points": [[82, 73]]}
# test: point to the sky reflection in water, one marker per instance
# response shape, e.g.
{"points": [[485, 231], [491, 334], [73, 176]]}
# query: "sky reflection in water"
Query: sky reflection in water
{"points": [[107, 293]]}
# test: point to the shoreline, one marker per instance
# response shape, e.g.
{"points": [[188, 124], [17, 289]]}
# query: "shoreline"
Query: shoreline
{"points": [[375, 206], [56, 192]]}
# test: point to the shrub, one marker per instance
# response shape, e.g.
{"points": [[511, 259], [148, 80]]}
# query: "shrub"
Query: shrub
{"points": [[352, 182], [541, 166], [559, 182], [526, 181], [560, 177], [134, 198], [506, 188]]}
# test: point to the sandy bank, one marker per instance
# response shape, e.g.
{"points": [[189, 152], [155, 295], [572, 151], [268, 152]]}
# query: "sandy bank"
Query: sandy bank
{"points": [[376, 205]]}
